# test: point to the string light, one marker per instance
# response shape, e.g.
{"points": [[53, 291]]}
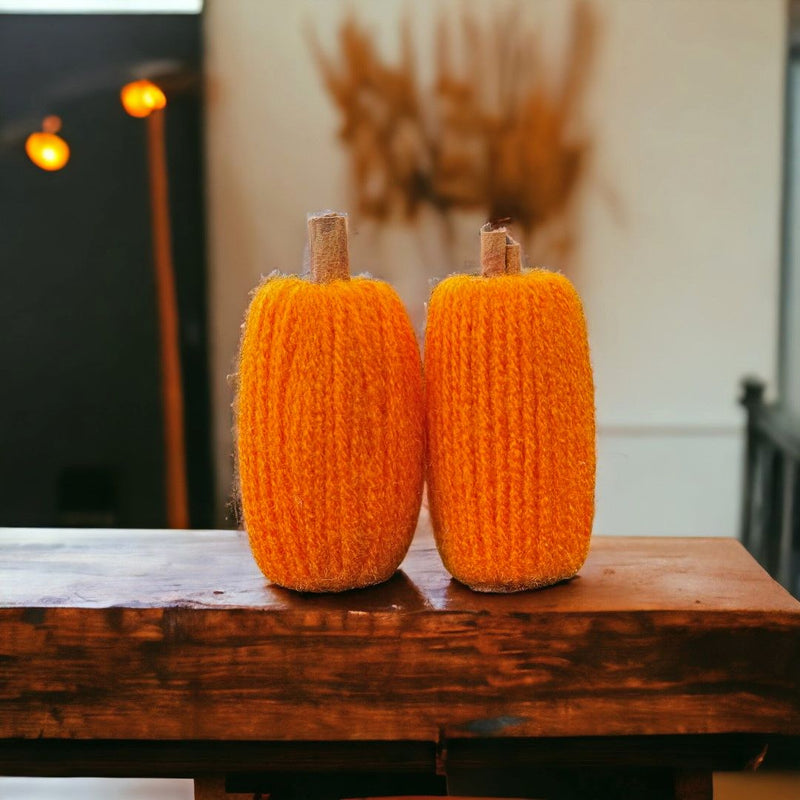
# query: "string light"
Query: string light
{"points": [[141, 98], [46, 148]]}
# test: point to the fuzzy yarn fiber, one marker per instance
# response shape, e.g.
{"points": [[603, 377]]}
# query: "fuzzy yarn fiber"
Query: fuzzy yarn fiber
{"points": [[511, 429], [330, 439]]}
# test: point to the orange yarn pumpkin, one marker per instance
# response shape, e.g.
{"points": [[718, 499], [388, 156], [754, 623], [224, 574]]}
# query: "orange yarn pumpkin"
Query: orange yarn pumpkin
{"points": [[510, 419], [330, 424]]}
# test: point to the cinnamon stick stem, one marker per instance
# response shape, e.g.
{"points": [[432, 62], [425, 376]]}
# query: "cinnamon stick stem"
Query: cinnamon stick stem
{"points": [[327, 239], [493, 251], [513, 257]]}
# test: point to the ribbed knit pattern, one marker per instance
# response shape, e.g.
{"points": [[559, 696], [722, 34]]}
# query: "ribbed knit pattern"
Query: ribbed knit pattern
{"points": [[511, 429], [330, 432]]}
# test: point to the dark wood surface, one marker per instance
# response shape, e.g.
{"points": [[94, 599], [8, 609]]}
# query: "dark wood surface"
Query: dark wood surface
{"points": [[169, 635]]}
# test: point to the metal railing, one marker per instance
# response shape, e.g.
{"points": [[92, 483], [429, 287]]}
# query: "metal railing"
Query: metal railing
{"points": [[770, 526]]}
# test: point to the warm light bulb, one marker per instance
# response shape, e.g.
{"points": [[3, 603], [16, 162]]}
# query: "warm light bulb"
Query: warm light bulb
{"points": [[141, 98], [51, 124], [47, 150]]}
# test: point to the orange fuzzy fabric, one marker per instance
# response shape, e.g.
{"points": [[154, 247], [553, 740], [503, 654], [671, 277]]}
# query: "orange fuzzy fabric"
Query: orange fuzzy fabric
{"points": [[331, 437], [511, 429]]}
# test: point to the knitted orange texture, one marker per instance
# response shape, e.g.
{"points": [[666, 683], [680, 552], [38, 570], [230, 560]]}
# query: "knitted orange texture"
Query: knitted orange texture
{"points": [[330, 424], [511, 430]]}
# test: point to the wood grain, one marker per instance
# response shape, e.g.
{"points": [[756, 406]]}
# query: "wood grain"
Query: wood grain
{"points": [[98, 568], [176, 636]]}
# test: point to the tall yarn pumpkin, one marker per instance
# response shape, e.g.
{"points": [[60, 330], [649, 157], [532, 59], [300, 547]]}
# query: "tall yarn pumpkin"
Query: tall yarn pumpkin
{"points": [[511, 424], [330, 419]]}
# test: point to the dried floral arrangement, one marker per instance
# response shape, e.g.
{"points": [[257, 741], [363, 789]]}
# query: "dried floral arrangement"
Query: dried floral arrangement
{"points": [[497, 132]]}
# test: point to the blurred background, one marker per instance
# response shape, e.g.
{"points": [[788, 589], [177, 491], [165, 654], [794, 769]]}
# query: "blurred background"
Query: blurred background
{"points": [[648, 149]]}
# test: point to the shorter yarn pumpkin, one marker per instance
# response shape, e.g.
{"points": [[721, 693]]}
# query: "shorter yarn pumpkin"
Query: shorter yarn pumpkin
{"points": [[510, 422], [330, 421]]}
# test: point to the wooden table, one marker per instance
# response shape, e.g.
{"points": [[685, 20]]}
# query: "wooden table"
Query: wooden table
{"points": [[166, 653]]}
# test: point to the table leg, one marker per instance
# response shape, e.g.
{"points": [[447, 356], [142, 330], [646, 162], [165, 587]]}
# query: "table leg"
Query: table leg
{"points": [[560, 783], [694, 785], [212, 787], [686, 785]]}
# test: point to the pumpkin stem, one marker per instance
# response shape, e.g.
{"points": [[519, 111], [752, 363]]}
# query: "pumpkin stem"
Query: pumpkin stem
{"points": [[513, 257], [327, 239], [493, 251]]}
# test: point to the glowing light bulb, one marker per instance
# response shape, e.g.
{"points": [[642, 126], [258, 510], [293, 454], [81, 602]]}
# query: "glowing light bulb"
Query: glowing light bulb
{"points": [[47, 150], [141, 98]]}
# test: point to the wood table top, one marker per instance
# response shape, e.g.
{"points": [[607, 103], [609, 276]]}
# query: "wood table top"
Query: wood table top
{"points": [[176, 635]]}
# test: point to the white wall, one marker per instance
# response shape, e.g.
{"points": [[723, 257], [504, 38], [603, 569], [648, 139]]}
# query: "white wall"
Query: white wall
{"points": [[790, 379], [680, 286]]}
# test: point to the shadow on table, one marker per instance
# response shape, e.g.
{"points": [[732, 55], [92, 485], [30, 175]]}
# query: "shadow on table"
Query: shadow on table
{"points": [[399, 593]]}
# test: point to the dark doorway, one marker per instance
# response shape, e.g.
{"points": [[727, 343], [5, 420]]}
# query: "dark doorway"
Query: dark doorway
{"points": [[80, 413]]}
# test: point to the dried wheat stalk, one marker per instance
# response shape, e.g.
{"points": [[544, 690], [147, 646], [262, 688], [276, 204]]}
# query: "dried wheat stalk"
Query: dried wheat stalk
{"points": [[496, 133]]}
